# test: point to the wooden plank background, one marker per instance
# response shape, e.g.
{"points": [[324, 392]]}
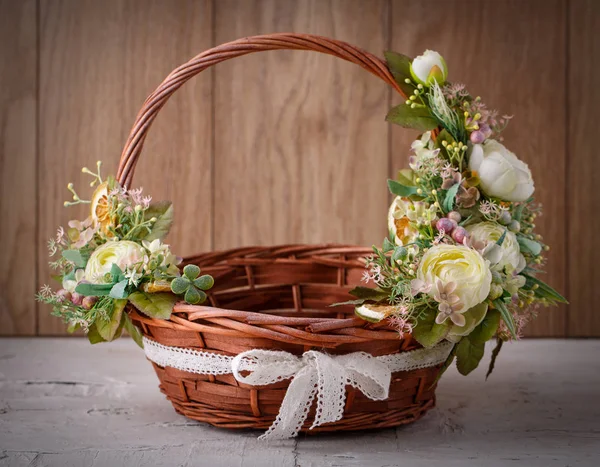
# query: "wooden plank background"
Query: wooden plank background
{"points": [[284, 146]]}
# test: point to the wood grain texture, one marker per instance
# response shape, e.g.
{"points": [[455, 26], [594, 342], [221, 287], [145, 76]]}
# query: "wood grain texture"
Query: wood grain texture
{"points": [[300, 146], [99, 61], [512, 53], [18, 88], [583, 197], [301, 143]]}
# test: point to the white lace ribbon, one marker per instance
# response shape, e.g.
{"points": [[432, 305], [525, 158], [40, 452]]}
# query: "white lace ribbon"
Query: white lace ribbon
{"points": [[315, 374]]}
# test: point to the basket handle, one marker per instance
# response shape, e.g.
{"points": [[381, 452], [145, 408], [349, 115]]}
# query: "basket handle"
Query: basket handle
{"points": [[156, 100]]}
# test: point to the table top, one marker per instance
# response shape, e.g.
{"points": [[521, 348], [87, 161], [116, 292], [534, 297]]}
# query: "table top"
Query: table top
{"points": [[66, 403]]}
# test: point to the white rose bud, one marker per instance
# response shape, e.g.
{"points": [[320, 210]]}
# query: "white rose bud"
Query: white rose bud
{"points": [[429, 67], [501, 173]]}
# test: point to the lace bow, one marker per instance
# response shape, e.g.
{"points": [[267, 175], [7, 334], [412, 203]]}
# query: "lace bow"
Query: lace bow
{"points": [[314, 374]]}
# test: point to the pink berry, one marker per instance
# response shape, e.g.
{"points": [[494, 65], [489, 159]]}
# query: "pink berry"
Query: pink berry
{"points": [[445, 224], [63, 295], [459, 234], [76, 298], [485, 129], [477, 137], [455, 216], [88, 302]]}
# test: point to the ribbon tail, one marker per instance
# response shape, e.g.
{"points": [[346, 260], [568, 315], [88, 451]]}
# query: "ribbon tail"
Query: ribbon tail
{"points": [[295, 406], [331, 390]]}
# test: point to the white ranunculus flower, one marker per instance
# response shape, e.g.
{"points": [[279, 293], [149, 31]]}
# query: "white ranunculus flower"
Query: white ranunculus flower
{"points": [[509, 253], [429, 67], [122, 253], [502, 174], [460, 265]]}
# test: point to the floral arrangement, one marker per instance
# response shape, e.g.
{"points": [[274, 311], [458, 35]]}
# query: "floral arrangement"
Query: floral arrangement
{"points": [[116, 256], [462, 259]]}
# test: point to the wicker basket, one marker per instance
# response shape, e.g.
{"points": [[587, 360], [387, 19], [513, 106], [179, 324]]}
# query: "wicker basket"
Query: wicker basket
{"points": [[274, 297]]}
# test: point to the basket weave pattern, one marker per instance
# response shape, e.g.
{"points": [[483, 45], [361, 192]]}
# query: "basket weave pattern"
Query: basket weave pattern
{"points": [[274, 297]]}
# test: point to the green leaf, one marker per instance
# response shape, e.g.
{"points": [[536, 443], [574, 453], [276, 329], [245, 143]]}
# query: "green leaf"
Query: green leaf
{"points": [[405, 177], [179, 285], [191, 271], [133, 331], [506, 316], [473, 317], [116, 273], [396, 188], [119, 290], [427, 332], [77, 257], [399, 253], [444, 136], [487, 328], [417, 119], [163, 211], [93, 290], [500, 241], [543, 290], [367, 293], [399, 66], [387, 245], [518, 212], [529, 246], [120, 328], [204, 282], [450, 195], [495, 353], [468, 355], [194, 296], [94, 336], [108, 328], [155, 305]]}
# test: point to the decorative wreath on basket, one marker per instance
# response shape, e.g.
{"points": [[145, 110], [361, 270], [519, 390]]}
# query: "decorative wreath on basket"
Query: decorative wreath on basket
{"points": [[459, 266]]}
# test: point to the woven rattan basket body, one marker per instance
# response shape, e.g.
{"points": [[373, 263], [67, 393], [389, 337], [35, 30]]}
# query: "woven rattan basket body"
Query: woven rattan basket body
{"points": [[274, 297]]}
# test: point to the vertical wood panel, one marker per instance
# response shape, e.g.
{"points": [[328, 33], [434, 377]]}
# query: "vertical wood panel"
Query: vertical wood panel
{"points": [[301, 142], [99, 60], [583, 196], [512, 53], [18, 87]]}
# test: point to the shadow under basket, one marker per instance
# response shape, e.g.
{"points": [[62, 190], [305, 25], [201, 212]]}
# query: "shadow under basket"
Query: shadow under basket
{"points": [[278, 298]]}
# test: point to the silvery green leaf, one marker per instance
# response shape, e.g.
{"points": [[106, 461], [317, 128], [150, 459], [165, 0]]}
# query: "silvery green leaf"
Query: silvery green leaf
{"points": [[204, 282]]}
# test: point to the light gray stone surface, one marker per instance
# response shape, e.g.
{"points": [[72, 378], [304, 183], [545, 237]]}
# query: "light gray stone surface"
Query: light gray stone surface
{"points": [[66, 403]]}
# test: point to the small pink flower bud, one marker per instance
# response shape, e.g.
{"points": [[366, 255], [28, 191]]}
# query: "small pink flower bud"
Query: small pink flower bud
{"points": [[63, 295], [445, 224], [76, 298], [459, 234], [485, 129], [455, 216], [88, 302], [477, 137]]}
